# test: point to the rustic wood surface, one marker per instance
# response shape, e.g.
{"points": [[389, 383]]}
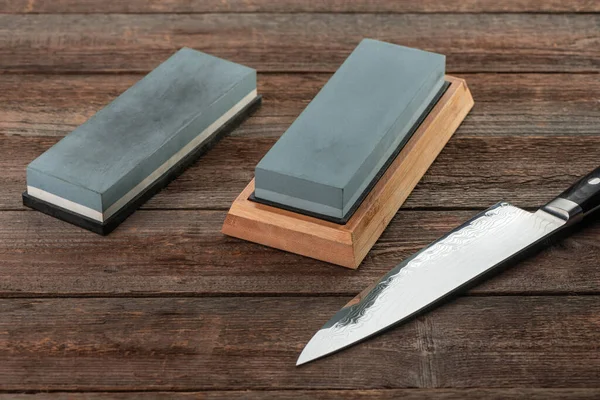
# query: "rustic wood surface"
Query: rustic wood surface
{"points": [[168, 307], [299, 42]]}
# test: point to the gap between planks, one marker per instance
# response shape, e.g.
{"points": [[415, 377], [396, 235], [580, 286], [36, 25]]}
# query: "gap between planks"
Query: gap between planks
{"points": [[432, 393], [255, 295], [142, 73], [301, 6]]}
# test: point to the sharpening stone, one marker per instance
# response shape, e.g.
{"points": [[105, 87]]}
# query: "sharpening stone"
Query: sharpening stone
{"points": [[328, 159], [102, 171]]}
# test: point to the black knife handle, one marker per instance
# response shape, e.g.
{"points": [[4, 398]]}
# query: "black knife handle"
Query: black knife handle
{"points": [[585, 193]]}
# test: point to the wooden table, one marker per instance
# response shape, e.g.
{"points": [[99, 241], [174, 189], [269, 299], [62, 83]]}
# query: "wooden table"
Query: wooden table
{"points": [[167, 306]]}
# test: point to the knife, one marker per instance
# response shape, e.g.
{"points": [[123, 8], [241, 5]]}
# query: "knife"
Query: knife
{"points": [[491, 239]]}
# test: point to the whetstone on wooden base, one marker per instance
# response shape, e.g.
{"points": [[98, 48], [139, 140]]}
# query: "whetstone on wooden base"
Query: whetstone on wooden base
{"points": [[348, 244], [329, 158]]}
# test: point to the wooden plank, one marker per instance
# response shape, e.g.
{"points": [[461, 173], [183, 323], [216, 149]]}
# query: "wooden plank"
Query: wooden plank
{"points": [[252, 343], [527, 171], [381, 394], [521, 133], [183, 253], [507, 104], [297, 42], [265, 6]]}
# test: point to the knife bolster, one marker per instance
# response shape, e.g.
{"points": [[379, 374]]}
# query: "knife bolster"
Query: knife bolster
{"points": [[564, 209]]}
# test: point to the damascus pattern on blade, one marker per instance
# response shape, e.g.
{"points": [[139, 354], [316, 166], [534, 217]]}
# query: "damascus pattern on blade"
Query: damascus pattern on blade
{"points": [[437, 270]]}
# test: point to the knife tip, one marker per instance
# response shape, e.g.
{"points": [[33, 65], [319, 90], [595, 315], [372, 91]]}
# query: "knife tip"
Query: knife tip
{"points": [[315, 349], [303, 358]]}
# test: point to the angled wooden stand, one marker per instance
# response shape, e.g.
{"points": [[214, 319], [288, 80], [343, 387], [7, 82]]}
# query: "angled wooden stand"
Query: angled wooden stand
{"points": [[347, 245]]}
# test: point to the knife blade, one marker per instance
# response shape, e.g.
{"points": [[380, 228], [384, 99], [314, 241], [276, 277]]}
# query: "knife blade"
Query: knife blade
{"points": [[492, 238]]}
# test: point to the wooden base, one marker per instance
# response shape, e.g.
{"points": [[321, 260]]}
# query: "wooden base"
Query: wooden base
{"points": [[347, 245]]}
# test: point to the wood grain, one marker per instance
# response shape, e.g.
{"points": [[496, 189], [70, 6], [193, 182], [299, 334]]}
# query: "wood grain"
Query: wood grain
{"points": [[507, 104], [212, 344], [175, 253], [122, 329], [347, 245], [526, 171], [297, 42], [531, 135], [381, 394], [266, 6]]}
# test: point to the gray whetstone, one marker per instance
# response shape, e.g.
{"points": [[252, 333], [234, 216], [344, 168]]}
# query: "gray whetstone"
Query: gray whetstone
{"points": [[116, 149], [336, 147]]}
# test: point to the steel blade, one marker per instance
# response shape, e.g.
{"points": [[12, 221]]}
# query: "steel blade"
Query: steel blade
{"points": [[469, 251]]}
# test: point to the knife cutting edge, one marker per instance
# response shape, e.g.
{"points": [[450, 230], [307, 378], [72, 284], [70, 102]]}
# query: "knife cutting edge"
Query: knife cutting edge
{"points": [[490, 239]]}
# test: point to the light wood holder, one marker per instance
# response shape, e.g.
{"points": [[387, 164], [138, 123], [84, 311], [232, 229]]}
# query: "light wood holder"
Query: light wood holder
{"points": [[347, 245]]}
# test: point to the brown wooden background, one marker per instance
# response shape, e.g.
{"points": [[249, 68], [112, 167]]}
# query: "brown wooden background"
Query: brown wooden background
{"points": [[166, 306]]}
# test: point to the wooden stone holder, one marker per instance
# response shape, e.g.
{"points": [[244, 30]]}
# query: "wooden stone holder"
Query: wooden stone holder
{"points": [[347, 245]]}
